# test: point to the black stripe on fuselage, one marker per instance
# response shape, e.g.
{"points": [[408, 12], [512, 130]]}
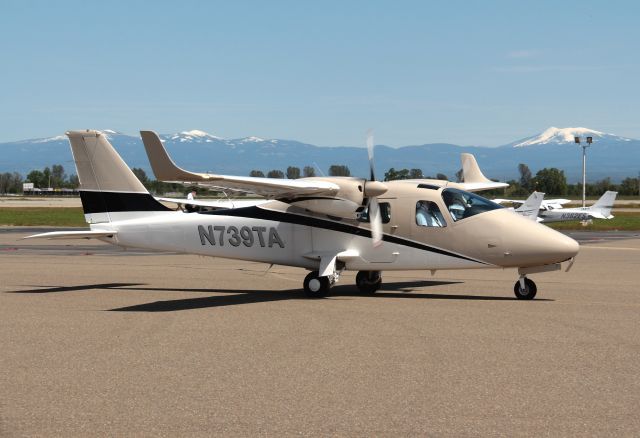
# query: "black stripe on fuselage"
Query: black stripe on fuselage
{"points": [[102, 202], [310, 221]]}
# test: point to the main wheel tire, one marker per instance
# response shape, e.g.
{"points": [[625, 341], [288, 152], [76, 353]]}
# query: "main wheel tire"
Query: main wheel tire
{"points": [[528, 292], [315, 286], [368, 282]]}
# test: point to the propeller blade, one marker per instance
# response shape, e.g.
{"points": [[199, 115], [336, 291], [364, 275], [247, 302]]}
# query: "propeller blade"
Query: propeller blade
{"points": [[372, 175], [376, 221]]}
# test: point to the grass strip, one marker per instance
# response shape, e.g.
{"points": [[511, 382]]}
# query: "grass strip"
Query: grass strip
{"points": [[32, 216], [623, 221], [74, 217]]}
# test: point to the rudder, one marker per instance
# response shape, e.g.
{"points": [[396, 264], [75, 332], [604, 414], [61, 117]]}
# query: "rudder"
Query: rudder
{"points": [[605, 203], [107, 185]]}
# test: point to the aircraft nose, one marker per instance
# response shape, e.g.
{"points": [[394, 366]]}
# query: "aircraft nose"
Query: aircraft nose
{"points": [[561, 247], [527, 243]]}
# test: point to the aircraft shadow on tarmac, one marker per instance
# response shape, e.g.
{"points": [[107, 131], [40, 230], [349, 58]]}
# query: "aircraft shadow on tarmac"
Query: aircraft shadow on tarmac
{"points": [[231, 297]]}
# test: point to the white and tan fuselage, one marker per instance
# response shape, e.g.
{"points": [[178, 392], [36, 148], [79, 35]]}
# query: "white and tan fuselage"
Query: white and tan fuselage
{"points": [[278, 233]]}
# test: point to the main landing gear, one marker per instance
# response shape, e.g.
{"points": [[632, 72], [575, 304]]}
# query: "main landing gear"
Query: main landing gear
{"points": [[316, 286], [525, 289], [368, 282]]}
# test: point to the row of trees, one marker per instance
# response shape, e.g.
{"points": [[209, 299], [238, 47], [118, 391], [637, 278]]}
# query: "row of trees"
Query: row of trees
{"points": [[308, 171], [551, 181], [54, 177], [393, 174]]}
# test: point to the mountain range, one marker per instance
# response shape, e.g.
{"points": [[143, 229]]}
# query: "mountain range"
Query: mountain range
{"points": [[609, 155]]}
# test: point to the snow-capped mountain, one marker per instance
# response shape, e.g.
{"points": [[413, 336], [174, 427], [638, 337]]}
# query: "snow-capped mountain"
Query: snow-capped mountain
{"points": [[555, 135], [609, 156], [109, 133], [193, 136]]}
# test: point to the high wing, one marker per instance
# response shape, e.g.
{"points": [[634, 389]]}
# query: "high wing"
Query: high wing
{"points": [[473, 178], [166, 170], [554, 204], [557, 201], [227, 203]]}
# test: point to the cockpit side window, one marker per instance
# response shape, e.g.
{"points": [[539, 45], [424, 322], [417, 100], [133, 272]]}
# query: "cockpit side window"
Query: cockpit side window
{"points": [[385, 213], [428, 215], [462, 205]]}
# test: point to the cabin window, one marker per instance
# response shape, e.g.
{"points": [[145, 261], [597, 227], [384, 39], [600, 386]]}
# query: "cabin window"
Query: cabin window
{"points": [[428, 215], [462, 205], [385, 213]]}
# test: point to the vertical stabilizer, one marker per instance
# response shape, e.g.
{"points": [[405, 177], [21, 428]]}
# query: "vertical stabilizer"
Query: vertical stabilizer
{"points": [[531, 206], [604, 205], [109, 190], [473, 178], [161, 163], [471, 171]]}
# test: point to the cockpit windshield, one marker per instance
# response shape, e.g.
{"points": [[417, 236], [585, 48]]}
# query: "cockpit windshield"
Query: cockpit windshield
{"points": [[463, 204]]}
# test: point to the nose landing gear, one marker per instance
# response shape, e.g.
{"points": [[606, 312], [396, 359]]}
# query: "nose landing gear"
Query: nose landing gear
{"points": [[525, 289]]}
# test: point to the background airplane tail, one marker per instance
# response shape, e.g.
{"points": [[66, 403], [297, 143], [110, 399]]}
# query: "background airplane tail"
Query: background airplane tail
{"points": [[531, 206], [109, 190], [472, 176], [605, 203]]}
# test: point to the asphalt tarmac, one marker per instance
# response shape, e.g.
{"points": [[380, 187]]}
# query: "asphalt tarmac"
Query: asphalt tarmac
{"points": [[96, 341]]}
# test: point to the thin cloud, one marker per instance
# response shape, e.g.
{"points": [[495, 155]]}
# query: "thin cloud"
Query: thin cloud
{"points": [[549, 68], [523, 54]]}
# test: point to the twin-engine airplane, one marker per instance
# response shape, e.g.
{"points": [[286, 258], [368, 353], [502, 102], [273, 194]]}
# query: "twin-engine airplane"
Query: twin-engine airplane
{"points": [[552, 210], [326, 225]]}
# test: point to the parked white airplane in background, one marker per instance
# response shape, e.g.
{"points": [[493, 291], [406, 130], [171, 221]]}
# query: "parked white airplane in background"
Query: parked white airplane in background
{"points": [[551, 211], [600, 210], [326, 225], [547, 204]]}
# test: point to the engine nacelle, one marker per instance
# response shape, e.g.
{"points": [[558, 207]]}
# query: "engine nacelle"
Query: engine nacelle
{"points": [[347, 203]]}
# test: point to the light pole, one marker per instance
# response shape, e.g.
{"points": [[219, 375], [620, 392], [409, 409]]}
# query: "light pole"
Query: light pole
{"points": [[584, 167]]}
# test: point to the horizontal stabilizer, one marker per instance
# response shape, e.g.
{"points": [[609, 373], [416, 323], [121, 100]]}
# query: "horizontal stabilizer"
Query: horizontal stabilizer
{"points": [[73, 235], [598, 215], [479, 186]]}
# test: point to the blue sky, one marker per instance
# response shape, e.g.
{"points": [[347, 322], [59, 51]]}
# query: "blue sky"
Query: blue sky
{"points": [[468, 72]]}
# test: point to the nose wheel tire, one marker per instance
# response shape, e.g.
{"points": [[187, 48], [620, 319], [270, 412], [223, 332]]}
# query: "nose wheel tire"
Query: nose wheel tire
{"points": [[315, 286], [368, 282], [528, 292]]}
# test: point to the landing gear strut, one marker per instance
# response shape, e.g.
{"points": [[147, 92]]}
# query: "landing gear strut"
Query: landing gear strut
{"points": [[525, 289], [316, 286], [368, 282]]}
